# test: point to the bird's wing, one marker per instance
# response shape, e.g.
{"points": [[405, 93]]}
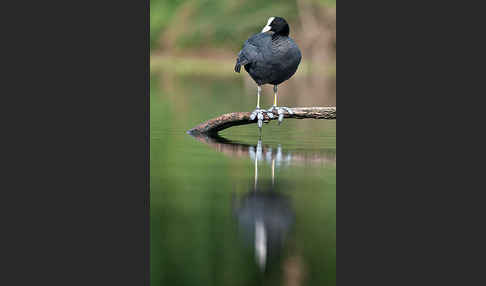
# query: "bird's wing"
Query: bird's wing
{"points": [[248, 54]]}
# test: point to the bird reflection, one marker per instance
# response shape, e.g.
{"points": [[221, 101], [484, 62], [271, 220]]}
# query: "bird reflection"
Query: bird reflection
{"points": [[264, 216]]}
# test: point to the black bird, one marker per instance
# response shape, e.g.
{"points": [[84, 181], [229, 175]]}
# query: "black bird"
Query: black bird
{"points": [[270, 58]]}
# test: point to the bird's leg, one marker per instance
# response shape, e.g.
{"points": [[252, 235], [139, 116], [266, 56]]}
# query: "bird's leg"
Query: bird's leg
{"points": [[280, 110], [259, 91], [258, 112], [275, 96]]}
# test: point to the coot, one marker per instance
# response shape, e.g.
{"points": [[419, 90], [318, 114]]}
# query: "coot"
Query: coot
{"points": [[270, 57]]}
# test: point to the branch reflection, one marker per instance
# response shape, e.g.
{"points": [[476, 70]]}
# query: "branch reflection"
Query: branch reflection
{"points": [[267, 153]]}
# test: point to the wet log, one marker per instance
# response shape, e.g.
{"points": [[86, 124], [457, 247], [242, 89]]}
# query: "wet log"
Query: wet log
{"points": [[213, 126]]}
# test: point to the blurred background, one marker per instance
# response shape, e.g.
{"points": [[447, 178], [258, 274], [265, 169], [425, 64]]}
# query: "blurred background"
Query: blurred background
{"points": [[203, 38], [209, 196]]}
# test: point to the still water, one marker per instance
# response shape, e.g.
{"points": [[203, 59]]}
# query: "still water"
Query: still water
{"points": [[237, 209]]}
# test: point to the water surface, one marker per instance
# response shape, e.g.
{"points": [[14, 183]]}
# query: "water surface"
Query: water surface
{"points": [[238, 209]]}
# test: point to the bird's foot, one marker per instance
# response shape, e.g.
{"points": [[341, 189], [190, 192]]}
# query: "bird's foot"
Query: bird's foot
{"points": [[262, 115], [280, 112]]}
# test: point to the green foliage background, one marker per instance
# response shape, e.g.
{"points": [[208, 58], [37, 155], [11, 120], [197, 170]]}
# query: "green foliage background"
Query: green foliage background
{"points": [[216, 23]]}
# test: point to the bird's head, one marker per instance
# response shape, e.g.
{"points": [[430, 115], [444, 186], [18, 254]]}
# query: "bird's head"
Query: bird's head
{"points": [[277, 25]]}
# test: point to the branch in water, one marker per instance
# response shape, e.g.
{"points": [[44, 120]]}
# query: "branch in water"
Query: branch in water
{"points": [[224, 121]]}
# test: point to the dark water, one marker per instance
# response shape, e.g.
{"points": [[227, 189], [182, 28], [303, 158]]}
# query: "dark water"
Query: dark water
{"points": [[237, 209]]}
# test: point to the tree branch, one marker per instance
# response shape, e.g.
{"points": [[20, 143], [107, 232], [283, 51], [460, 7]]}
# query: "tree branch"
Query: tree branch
{"points": [[213, 126]]}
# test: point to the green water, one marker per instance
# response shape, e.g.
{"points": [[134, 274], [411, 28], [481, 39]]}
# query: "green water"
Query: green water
{"points": [[205, 209]]}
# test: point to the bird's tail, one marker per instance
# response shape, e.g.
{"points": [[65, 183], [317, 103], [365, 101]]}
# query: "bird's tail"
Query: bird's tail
{"points": [[240, 61], [237, 67]]}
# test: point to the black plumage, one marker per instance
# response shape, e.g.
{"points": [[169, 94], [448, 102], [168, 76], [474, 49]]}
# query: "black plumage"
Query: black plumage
{"points": [[270, 58]]}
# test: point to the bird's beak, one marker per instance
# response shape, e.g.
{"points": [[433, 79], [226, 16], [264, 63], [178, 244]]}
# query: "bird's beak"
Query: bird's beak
{"points": [[266, 29]]}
